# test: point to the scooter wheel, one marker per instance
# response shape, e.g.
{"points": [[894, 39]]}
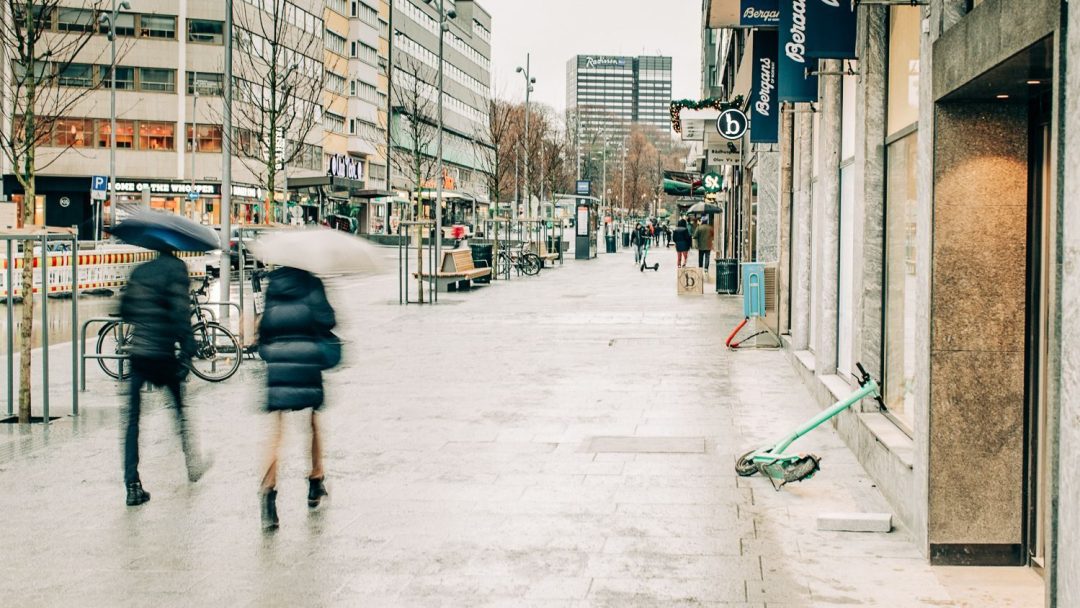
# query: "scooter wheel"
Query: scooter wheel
{"points": [[744, 466]]}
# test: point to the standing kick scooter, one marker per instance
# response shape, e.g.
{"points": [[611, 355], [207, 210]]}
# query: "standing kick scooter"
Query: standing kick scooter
{"points": [[773, 463], [644, 255]]}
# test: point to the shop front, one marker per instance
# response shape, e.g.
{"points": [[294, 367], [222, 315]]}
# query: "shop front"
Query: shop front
{"points": [[313, 200], [62, 202]]}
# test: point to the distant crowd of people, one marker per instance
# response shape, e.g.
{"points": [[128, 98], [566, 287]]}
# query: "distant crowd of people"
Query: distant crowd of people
{"points": [[692, 232]]}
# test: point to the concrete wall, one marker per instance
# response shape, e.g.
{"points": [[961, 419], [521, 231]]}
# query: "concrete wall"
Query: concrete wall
{"points": [[977, 336], [767, 176], [1065, 559]]}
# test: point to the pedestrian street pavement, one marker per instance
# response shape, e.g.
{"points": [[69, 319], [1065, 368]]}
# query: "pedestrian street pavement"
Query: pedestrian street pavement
{"points": [[563, 440]]}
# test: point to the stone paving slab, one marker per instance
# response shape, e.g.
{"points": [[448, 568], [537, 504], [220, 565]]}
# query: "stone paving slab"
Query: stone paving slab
{"points": [[472, 489]]}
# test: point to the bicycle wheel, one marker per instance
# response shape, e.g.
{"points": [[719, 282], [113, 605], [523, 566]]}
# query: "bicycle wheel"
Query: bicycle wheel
{"points": [[113, 339], [531, 264], [217, 352]]}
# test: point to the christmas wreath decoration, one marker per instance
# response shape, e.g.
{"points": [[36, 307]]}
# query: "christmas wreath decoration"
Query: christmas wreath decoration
{"points": [[678, 105]]}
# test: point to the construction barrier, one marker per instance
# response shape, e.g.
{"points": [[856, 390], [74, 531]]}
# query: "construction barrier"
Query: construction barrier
{"points": [[99, 269]]}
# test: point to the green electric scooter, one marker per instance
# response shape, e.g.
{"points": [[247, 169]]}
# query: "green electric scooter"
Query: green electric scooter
{"points": [[782, 468]]}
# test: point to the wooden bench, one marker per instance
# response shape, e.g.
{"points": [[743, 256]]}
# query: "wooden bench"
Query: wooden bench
{"points": [[546, 256], [456, 271]]}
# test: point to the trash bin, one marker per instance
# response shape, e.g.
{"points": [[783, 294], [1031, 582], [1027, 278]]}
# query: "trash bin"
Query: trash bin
{"points": [[626, 240], [610, 240], [727, 276], [482, 258]]}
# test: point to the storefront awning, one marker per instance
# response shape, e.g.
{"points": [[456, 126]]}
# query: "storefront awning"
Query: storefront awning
{"points": [[337, 187]]}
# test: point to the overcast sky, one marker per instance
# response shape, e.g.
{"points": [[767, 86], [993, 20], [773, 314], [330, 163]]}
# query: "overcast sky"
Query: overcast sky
{"points": [[555, 30]]}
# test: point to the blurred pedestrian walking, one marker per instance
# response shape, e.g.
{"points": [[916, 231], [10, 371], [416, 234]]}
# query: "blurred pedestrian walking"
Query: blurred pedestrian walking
{"points": [[157, 306], [296, 342], [682, 238], [703, 241]]}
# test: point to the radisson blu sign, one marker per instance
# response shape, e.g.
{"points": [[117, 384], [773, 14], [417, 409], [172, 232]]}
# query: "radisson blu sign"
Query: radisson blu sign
{"points": [[588, 61]]}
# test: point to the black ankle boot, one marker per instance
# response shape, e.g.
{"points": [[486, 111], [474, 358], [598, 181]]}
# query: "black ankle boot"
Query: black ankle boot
{"points": [[316, 491], [269, 509], [136, 495]]}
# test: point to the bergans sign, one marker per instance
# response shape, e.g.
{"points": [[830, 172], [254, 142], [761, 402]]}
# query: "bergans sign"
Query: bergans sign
{"points": [[743, 13], [346, 166], [830, 29], [764, 108], [599, 62], [792, 82]]}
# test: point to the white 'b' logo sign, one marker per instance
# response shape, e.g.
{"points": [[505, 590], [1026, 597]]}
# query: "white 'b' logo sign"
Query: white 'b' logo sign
{"points": [[731, 124]]}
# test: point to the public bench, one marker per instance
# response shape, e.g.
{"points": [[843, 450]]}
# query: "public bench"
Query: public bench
{"points": [[545, 255], [456, 271]]}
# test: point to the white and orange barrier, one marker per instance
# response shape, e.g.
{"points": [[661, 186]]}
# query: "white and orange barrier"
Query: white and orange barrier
{"points": [[98, 269]]}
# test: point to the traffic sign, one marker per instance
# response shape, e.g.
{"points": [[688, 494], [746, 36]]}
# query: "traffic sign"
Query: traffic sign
{"points": [[99, 185], [584, 187], [732, 124], [192, 196], [711, 182]]}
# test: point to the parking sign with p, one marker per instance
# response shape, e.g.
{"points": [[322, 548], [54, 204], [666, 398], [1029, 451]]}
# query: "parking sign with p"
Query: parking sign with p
{"points": [[99, 185]]}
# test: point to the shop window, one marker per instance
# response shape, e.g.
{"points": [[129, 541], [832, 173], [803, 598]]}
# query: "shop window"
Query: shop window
{"points": [[905, 23], [207, 138], [156, 79], [77, 75], [205, 31], [125, 25], [74, 20], [157, 26], [125, 133], [156, 136], [73, 133], [209, 84], [125, 77]]}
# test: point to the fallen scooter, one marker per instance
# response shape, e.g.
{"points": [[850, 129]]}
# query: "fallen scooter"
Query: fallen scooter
{"points": [[784, 468]]}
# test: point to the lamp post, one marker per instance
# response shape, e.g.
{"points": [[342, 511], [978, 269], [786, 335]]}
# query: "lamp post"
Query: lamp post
{"points": [[109, 19], [529, 82], [444, 26]]}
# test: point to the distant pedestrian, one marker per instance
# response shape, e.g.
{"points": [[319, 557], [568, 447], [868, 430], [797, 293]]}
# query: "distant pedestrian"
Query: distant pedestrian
{"points": [[682, 239], [667, 235], [637, 239], [703, 239], [296, 343], [157, 306]]}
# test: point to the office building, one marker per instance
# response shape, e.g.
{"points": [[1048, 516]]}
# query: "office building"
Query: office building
{"points": [[608, 94]]}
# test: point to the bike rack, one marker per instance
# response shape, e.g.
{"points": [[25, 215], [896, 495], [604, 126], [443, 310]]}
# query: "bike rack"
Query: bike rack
{"points": [[83, 356], [239, 314]]}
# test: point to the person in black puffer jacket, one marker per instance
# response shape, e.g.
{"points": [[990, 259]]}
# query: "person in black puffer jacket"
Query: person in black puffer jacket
{"points": [[156, 305], [683, 240], [295, 325]]}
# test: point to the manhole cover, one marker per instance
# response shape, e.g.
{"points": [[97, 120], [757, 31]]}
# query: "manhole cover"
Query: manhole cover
{"points": [[646, 445]]}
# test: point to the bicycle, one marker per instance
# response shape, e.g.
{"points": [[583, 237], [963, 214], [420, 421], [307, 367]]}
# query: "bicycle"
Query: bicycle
{"points": [[217, 352], [525, 262]]}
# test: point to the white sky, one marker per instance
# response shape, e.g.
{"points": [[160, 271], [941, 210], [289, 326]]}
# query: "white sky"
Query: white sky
{"points": [[555, 30]]}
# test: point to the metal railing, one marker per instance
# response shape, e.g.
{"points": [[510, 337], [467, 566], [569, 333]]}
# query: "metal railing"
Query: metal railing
{"points": [[83, 356]]}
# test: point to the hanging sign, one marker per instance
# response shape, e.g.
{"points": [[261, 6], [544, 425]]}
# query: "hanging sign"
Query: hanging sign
{"points": [[731, 124], [792, 82], [743, 13], [723, 152], [764, 107], [830, 29], [693, 129]]}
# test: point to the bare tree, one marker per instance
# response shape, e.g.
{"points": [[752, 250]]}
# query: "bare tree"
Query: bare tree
{"points": [[279, 79], [44, 86], [496, 151], [414, 140]]}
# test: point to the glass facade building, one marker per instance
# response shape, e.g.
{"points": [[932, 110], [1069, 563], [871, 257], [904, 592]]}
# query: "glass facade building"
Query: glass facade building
{"points": [[610, 93]]}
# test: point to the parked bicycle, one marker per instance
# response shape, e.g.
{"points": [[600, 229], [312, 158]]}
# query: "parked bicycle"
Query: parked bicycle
{"points": [[523, 260], [217, 350]]}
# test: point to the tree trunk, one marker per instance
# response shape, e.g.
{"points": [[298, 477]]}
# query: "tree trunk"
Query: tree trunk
{"points": [[27, 327]]}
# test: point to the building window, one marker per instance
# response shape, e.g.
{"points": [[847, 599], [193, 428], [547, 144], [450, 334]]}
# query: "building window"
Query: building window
{"points": [[333, 122], [335, 42], [157, 26], [209, 83], [207, 138], [156, 136], [338, 6], [73, 133], [335, 82], [125, 77], [125, 25], [157, 79], [202, 30], [74, 20], [125, 133], [368, 53], [366, 14], [77, 75], [905, 24]]}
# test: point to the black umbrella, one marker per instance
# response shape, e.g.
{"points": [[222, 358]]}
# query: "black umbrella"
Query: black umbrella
{"points": [[166, 232], [705, 208]]}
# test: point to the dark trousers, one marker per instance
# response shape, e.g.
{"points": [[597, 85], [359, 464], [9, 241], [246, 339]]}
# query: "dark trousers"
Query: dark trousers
{"points": [[162, 372], [703, 259], [638, 249]]}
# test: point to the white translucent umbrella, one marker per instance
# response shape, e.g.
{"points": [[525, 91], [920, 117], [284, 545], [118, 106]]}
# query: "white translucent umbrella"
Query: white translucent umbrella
{"points": [[318, 250]]}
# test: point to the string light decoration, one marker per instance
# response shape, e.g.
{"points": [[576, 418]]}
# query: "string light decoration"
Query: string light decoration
{"points": [[678, 105]]}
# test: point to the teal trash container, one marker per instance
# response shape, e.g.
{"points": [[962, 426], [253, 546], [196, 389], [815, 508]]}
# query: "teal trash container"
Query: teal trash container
{"points": [[610, 241], [727, 276]]}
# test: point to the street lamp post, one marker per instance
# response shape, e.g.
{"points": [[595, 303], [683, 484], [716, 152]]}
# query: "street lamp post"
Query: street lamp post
{"points": [[529, 82], [444, 26], [194, 135], [109, 19]]}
